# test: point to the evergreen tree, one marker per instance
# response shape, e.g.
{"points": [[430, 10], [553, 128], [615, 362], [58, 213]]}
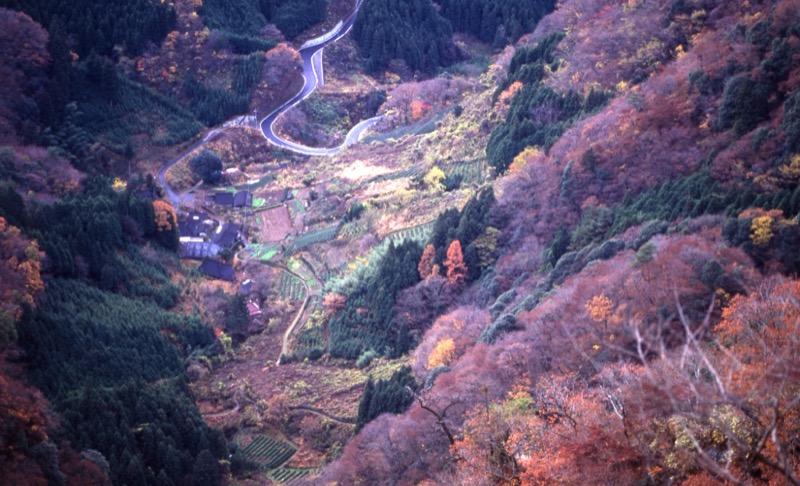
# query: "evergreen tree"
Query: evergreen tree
{"points": [[207, 166]]}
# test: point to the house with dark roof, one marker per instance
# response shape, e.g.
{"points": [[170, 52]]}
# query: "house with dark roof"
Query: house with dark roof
{"points": [[223, 199], [194, 224], [227, 235], [237, 199], [242, 199], [219, 270]]}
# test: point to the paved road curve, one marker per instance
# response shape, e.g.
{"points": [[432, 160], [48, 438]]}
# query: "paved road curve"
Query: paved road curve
{"points": [[311, 54]]}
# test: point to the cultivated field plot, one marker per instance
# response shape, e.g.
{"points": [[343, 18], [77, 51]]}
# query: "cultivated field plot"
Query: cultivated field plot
{"points": [[473, 171], [296, 206], [271, 198], [417, 233], [268, 452], [287, 475], [291, 287], [310, 238], [274, 223]]}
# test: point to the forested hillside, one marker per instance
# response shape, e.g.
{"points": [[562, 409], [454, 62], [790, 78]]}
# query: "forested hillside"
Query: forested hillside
{"points": [[638, 323], [100, 342], [565, 250], [427, 37], [495, 22], [104, 83]]}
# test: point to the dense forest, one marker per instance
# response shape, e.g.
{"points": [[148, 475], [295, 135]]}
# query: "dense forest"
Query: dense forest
{"points": [[101, 26], [566, 254], [495, 22], [247, 17], [101, 344], [427, 37]]}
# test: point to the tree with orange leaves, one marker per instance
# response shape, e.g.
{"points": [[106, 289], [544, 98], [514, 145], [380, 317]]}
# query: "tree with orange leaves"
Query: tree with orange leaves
{"points": [[456, 268], [166, 224], [333, 302], [20, 276], [164, 216]]}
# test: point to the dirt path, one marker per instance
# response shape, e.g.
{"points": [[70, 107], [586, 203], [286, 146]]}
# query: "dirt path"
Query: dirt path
{"points": [[298, 319], [322, 413]]}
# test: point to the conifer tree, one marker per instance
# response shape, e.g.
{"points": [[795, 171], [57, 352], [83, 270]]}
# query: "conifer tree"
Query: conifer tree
{"points": [[456, 269]]}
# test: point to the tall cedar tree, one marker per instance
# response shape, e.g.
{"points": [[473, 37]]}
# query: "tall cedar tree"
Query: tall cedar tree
{"points": [[456, 269]]}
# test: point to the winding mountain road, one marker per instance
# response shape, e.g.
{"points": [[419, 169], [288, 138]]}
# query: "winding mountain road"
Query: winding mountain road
{"points": [[311, 54]]}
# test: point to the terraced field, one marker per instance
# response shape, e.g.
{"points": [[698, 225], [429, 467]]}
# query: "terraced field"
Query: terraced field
{"points": [[410, 172], [286, 475], [352, 229], [474, 171], [268, 452], [312, 237], [290, 287], [418, 233]]}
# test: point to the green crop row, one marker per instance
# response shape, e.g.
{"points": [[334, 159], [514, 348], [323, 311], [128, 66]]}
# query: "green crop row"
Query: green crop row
{"points": [[290, 287], [268, 452], [473, 171], [308, 239], [286, 475]]}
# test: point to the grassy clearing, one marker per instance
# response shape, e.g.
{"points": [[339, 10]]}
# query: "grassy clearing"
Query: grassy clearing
{"points": [[346, 378], [263, 182], [262, 252]]}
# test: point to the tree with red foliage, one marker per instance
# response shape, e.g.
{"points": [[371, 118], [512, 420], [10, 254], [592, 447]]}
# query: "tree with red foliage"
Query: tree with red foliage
{"points": [[456, 268]]}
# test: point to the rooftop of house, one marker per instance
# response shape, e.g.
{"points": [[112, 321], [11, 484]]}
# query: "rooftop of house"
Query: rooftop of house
{"points": [[215, 269]]}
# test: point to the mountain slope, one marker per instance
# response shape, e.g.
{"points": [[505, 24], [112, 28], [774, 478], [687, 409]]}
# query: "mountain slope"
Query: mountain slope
{"points": [[641, 246]]}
